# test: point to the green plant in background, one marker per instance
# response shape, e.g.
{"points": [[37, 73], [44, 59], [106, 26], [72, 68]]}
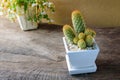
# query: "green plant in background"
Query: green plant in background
{"points": [[79, 35], [35, 10]]}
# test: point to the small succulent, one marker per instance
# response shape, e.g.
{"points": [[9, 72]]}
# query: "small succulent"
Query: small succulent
{"points": [[69, 33], [75, 40], [81, 44], [89, 31], [79, 35], [89, 40]]}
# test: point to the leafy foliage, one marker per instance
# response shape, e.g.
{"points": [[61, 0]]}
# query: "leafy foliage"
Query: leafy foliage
{"points": [[35, 10]]}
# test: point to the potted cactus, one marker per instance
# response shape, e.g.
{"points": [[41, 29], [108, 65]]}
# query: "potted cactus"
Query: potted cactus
{"points": [[80, 45], [28, 12]]}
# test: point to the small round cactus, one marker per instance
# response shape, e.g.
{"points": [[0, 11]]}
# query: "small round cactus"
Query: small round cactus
{"points": [[78, 22], [91, 32], [81, 35], [75, 40], [81, 44], [89, 40], [69, 33]]}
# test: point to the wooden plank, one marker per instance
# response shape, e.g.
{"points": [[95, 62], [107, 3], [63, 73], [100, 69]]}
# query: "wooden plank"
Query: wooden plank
{"points": [[40, 54]]}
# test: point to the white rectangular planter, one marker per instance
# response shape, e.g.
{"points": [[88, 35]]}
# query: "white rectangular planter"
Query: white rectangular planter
{"points": [[81, 61], [25, 24]]}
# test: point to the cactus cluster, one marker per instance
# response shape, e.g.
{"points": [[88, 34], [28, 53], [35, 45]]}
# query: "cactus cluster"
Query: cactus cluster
{"points": [[79, 34]]}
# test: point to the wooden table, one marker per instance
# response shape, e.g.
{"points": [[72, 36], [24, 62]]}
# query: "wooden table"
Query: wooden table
{"points": [[40, 54]]}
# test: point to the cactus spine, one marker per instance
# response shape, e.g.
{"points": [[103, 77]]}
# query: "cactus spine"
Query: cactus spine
{"points": [[78, 22], [69, 33]]}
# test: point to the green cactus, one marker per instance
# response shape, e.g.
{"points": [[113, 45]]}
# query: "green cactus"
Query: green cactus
{"points": [[75, 40], [81, 35], [89, 40], [69, 33], [91, 32], [78, 22], [81, 44]]}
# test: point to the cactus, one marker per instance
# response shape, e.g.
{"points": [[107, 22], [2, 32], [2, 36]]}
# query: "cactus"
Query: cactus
{"points": [[78, 22], [81, 44], [69, 33], [81, 35], [91, 32], [75, 40], [89, 40]]}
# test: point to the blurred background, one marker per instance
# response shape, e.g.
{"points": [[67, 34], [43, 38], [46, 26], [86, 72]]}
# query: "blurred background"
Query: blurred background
{"points": [[97, 13]]}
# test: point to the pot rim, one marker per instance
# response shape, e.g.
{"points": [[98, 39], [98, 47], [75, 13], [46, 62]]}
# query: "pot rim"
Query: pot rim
{"points": [[78, 51]]}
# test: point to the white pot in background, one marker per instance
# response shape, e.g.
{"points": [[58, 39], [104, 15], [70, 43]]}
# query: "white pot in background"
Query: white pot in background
{"points": [[81, 61], [25, 24]]}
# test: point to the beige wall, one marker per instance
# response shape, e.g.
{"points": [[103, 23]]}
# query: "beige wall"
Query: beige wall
{"points": [[97, 13]]}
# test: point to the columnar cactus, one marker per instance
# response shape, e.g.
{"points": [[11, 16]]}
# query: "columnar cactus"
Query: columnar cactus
{"points": [[89, 40], [69, 33], [78, 22]]}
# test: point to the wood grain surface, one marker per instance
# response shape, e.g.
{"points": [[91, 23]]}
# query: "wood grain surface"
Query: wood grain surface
{"points": [[40, 54]]}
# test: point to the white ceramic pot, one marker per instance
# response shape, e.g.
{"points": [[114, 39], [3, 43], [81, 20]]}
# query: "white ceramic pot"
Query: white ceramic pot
{"points": [[25, 24], [81, 58]]}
